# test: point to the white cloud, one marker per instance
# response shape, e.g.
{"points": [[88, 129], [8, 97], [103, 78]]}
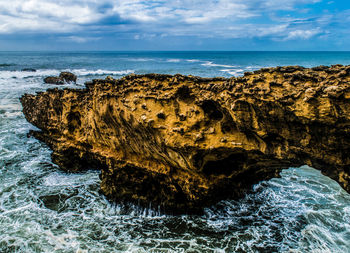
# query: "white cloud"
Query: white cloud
{"points": [[46, 15], [188, 11], [272, 30], [145, 19], [285, 4], [80, 39], [30, 22], [302, 34]]}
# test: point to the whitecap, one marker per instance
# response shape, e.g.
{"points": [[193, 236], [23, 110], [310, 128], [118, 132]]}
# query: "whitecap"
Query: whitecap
{"points": [[63, 179], [193, 60], [233, 72], [173, 60], [139, 59], [25, 74], [100, 72], [55, 72], [211, 64]]}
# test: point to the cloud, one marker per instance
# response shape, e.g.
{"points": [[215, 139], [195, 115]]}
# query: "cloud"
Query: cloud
{"points": [[46, 15], [80, 39], [186, 11], [285, 5], [83, 20], [302, 34], [32, 23]]}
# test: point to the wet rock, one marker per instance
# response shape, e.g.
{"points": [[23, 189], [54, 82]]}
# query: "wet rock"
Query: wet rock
{"points": [[53, 80], [61, 79], [242, 133], [68, 77]]}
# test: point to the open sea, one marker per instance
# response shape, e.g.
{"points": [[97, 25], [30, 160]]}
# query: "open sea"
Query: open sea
{"points": [[43, 209]]}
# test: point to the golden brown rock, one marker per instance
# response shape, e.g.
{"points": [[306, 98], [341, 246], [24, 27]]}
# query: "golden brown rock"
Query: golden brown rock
{"points": [[184, 142]]}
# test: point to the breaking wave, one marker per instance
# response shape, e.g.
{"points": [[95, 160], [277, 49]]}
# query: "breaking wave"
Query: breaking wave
{"points": [[100, 72], [26, 74], [211, 64], [6, 74]]}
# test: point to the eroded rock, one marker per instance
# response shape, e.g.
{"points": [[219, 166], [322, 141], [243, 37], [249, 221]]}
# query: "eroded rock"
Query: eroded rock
{"points": [[232, 133]]}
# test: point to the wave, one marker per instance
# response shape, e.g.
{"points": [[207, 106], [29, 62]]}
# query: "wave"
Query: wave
{"points": [[173, 60], [101, 72], [211, 64], [139, 59], [6, 74], [193, 60], [234, 72], [7, 64]]}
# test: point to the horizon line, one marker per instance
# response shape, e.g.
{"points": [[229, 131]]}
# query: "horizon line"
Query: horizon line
{"points": [[136, 51]]}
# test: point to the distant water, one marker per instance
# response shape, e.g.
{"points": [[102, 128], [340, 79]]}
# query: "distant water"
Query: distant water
{"points": [[43, 209]]}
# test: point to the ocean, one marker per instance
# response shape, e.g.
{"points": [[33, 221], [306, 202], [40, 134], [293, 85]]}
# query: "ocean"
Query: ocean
{"points": [[43, 209]]}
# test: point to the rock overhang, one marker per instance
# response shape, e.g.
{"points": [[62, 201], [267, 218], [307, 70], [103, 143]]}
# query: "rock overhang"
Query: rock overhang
{"points": [[185, 142]]}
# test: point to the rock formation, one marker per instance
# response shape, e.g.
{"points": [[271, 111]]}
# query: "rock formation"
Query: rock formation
{"points": [[68, 77], [183, 142], [63, 77], [53, 80]]}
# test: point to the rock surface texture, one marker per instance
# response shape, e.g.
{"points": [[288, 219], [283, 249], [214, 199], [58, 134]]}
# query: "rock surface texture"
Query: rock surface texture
{"points": [[182, 142]]}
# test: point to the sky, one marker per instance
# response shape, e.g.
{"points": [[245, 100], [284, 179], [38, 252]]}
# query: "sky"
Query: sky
{"points": [[175, 25]]}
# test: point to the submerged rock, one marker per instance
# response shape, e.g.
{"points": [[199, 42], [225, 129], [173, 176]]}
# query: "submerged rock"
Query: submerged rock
{"points": [[185, 142], [28, 70], [63, 77]]}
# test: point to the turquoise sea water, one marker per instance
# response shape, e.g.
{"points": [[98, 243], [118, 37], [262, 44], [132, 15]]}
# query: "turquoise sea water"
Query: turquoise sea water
{"points": [[43, 209]]}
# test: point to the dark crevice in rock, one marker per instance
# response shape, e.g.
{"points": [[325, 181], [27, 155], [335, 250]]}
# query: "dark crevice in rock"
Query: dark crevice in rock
{"points": [[225, 166]]}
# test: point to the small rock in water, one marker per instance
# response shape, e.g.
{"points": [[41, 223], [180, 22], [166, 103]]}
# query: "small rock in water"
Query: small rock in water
{"points": [[68, 77], [53, 80], [28, 70], [63, 77]]}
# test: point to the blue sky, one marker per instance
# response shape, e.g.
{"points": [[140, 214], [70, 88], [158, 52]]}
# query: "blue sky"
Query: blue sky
{"points": [[174, 25]]}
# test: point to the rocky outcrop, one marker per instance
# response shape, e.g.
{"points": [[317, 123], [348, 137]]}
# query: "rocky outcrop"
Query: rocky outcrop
{"points": [[61, 79], [185, 142]]}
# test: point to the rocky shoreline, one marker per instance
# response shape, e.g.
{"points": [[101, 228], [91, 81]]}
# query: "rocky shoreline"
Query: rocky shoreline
{"points": [[183, 143]]}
